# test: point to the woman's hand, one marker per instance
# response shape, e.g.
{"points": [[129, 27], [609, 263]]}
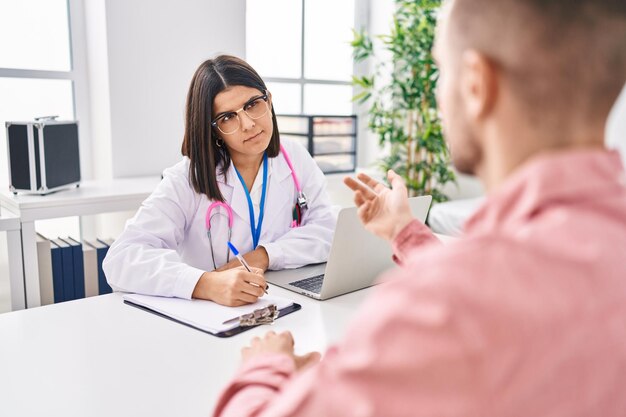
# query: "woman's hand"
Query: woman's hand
{"points": [[257, 258], [233, 287], [278, 343], [383, 211]]}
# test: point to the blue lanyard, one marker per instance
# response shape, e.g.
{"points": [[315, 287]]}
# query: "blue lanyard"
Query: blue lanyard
{"points": [[256, 230]]}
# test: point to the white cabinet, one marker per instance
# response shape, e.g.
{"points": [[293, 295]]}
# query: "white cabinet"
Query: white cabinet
{"points": [[92, 197], [10, 223]]}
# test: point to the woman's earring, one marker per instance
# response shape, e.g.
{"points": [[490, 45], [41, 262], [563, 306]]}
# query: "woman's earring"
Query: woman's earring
{"points": [[219, 142]]}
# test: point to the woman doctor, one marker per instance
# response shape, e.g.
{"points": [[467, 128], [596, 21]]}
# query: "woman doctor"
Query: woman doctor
{"points": [[237, 182]]}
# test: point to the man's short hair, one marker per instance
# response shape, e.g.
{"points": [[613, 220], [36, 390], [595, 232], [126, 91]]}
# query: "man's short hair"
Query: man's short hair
{"points": [[565, 53]]}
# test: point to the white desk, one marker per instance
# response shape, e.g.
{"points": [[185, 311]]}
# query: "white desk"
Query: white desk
{"points": [[100, 357], [93, 197]]}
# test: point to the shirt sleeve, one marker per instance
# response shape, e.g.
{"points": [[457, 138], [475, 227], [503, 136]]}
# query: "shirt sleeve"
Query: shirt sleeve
{"points": [[406, 354], [414, 236], [144, 258], [310, 243]]}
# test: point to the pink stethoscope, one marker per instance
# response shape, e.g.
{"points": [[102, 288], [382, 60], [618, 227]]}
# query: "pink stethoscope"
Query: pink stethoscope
{"points": [[299, 207]]}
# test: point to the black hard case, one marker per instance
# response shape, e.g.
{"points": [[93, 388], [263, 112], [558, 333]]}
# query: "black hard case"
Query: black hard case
{"points": [[43, 156]]}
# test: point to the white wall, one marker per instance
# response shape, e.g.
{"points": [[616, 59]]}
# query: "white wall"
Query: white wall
{"points": [[142, 55], [379, 20], [98, 84]]}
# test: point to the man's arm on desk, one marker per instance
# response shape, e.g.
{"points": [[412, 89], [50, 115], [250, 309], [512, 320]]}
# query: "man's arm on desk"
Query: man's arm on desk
{"points": [[272, 382], [403, 355]]}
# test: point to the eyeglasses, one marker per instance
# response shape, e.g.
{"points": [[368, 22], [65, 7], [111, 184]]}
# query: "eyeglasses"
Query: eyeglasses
{"points": [[229, 122]]}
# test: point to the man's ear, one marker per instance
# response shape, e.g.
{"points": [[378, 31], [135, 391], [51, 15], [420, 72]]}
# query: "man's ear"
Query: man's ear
{"points": [[478, 84]]}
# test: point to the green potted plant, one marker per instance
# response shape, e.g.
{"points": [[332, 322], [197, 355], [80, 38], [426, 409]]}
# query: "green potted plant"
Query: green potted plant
{"points": [[403, 110]]}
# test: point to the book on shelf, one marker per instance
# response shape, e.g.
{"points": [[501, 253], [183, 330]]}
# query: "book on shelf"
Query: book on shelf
{"points": [[67, 268], [108, 241], [90, 259], [57, 270], [44, 262], [70, 269], [78, 269], [101, 246]]}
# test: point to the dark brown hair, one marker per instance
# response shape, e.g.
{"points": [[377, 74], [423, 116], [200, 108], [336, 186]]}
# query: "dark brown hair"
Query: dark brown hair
{"points": [[557, 54], [199, 143]]}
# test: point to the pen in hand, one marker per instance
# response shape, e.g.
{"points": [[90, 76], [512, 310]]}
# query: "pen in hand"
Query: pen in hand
{"points": [[243, 261]]}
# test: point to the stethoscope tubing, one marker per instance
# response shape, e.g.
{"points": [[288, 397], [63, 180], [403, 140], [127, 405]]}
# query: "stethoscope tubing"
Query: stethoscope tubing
{"points": [[229, 209], [293, 171]]}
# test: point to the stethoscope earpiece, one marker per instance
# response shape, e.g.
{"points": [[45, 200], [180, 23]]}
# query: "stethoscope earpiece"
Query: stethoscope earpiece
{"points": [[302, 202]]}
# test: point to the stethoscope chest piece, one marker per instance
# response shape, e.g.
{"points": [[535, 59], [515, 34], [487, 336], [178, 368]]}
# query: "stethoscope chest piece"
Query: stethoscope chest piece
{"points": [[209, 220]]}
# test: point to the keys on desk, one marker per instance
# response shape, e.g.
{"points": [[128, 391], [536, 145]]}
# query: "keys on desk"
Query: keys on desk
{"points": [[313, 284]]}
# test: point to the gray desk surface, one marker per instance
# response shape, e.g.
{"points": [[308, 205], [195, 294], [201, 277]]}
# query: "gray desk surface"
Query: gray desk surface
{"points": [[100, 357]]}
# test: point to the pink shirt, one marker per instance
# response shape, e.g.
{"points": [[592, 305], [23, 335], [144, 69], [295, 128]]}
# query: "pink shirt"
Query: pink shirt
{"points": [[525, 316]]}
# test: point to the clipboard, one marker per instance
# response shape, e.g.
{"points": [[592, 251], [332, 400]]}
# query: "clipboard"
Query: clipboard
{"points": [[181, 311]]}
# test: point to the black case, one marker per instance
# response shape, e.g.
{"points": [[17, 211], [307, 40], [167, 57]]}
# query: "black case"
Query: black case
{"points": [[43, 155]]}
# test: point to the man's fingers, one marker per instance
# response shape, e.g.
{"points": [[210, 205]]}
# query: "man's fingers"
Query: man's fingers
{"points": [[357, 186], [359, 200], [287, 335], [352, 183], [307, 360], [363, 212], [395, 180], [371, 182]]}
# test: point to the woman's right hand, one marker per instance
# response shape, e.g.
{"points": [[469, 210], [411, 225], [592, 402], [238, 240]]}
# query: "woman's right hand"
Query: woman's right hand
{"points": [[232, 287]]}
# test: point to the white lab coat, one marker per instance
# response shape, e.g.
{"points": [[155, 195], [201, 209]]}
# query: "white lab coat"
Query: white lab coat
{"points": [[164, 248]]}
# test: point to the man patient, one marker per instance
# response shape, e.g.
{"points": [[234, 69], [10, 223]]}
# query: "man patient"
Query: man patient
{"points": [[526, 314]]}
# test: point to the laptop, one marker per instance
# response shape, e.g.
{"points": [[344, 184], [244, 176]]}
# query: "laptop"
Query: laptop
{"points": [[356, 259]]}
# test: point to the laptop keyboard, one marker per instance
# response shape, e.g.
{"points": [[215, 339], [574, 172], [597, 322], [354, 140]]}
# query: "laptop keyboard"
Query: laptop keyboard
{"points": [[313, 284]]}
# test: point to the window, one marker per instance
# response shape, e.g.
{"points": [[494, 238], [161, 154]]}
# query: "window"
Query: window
{"points": [[35, 64], [39, 72], [35, 34], [302, 50]]}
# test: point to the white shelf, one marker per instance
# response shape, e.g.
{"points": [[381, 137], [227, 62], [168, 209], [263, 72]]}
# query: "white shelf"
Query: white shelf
{"points": [[92, 197], [10, 223]]}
